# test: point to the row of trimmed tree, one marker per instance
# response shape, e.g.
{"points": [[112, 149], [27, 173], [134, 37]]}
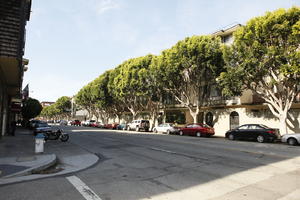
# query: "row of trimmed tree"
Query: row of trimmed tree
{"points": [[264, 58], [61, 109]]}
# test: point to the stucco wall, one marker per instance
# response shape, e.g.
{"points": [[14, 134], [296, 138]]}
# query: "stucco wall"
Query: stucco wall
{"points": [[248, 115]]}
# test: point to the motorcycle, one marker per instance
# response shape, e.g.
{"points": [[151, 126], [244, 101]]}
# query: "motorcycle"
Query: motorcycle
{"points": [[54, 135]]}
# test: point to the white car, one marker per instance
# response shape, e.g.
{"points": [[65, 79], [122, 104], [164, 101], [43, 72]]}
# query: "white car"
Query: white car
{"points": [[88, 122], [291, 139], [165, 128], [137, 125], [63, 123]]}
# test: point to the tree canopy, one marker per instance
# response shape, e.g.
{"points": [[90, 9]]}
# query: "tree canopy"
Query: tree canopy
{"points": [[31, 108], [189, 68], [265, 58]]}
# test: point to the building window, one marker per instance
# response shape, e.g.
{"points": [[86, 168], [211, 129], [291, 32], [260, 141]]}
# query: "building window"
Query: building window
{"points": [[209, 119], [228, 39], [234, 120]]}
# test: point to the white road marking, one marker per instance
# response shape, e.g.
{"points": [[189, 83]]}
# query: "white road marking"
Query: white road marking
{"points": [[163, 150], [84, 190]]}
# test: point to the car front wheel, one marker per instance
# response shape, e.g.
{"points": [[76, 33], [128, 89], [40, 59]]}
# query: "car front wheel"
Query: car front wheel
{"points": [[180, 132], [231, 137], [198, 134], [292, 141], [168, 132], [260, 139]]}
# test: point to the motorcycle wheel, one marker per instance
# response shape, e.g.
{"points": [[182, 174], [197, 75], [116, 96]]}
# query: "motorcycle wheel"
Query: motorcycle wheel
{"points": [[64, 138]]}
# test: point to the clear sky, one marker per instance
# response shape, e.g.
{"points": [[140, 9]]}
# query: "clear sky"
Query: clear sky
{"points": [[71, 42]]}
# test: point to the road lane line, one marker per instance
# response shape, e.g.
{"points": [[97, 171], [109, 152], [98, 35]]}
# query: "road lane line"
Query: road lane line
{"points": [[83, 189], [163, 150]]}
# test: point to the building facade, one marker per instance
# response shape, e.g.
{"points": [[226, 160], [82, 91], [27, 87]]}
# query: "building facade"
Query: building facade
{"points": [[14, 15]]}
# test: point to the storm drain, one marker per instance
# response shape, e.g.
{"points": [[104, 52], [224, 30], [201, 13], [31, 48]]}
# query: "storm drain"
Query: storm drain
{"points": [[50, 170]]}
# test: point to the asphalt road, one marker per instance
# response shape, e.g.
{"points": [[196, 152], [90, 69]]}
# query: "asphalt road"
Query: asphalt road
{"points": [[156, 166]]}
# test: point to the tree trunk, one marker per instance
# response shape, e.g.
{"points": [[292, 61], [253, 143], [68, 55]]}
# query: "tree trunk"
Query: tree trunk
{"points": [[154, 119], [283, 125], [133, 112], [194, 113], [119, 118]]}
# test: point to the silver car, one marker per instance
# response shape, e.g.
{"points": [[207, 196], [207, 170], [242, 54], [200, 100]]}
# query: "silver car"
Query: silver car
{"points": [[165, 128], [291, 139]]}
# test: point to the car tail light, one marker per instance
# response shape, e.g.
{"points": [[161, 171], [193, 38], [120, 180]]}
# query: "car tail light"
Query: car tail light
{"points": [[271, 131]]}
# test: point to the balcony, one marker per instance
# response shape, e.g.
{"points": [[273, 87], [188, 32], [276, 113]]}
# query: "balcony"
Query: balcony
{"points": [[217, 101]]}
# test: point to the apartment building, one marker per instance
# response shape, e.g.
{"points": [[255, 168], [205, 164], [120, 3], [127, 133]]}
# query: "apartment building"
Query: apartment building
{"points": [[14, 15], [225, 113]]}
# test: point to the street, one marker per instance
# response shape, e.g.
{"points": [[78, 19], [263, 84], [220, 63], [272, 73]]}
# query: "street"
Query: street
{"points": [[139, 165]]}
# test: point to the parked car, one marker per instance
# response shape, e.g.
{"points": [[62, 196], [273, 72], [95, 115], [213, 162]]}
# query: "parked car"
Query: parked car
{"points": [[88, 122], [291, 139], [63, 123], [121, 126], [32, 123], [197, 129], [76, 122], [138, 125], [107, 126], [258, 132], [41, 128], [111, 126], [99, 125], [168, 128], [93, 124]]}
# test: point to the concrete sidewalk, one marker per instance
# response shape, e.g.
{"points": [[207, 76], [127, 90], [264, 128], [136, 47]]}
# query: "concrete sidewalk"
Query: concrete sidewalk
{"points": [[18, 161]]}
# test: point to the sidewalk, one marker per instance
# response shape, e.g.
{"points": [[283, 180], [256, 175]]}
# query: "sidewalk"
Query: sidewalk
{"points": [[18, 161]]}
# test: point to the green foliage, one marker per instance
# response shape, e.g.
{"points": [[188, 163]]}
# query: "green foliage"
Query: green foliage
{"points": [[49, 111], [130, 79], [63, 105], [268, 46], [189, 66], [129, 83], [61, 108], [31, 108]]}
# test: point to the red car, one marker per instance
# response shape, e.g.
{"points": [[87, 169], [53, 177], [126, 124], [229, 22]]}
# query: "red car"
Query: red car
{"points": [[111, 126], [76, 123], [197, 129]]}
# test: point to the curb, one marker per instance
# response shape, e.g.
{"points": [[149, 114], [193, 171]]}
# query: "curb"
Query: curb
{"points": [[39, 167], [29, 176]]}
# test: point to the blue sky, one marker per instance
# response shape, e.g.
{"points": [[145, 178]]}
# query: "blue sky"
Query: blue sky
{"points": [[71, 42]]}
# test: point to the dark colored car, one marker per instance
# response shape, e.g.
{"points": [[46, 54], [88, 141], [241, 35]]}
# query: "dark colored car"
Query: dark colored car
{"points": [[41, 127], [258, 132], [32, 123], [197, 129], [76, 123]]}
